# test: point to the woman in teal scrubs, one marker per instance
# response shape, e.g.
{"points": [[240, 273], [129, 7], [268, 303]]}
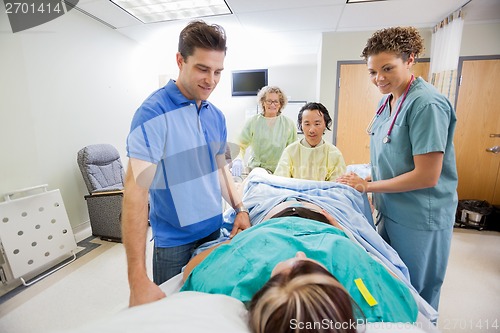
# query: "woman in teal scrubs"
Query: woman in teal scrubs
{"points": [[413, 169]]}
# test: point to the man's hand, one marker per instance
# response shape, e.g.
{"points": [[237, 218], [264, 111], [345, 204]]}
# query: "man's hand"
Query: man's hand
{"points": [[145, 292], [241, 222]]}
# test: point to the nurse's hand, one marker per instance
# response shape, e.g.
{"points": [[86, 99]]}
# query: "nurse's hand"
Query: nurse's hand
{"points": [[353, 180]]}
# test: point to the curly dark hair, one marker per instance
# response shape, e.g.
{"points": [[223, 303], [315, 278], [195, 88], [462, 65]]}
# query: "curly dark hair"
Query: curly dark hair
{"points": [[402, 41], [198, 34]]}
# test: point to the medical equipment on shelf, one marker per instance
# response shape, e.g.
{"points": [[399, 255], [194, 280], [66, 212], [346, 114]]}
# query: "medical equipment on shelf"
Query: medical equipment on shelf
{"points": [[35, 234]]}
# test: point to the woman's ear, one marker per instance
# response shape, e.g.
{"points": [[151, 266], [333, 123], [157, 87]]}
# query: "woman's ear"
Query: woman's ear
{"points": [[411, 60]]}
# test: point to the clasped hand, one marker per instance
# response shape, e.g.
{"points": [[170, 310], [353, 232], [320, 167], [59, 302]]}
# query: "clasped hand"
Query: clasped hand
{"points": [[353, 180]]}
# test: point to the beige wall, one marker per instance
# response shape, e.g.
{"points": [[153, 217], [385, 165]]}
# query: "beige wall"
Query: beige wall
{"points": [[65, 84], [73, 82], [480, 39], [477, 39]]}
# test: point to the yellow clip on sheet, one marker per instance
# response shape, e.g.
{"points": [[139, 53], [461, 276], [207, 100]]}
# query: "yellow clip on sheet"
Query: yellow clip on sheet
{"points": [[366, 294]]}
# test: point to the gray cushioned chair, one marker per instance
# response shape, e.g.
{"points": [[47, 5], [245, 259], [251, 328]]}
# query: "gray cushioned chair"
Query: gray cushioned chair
{"points": [[102, 171]]}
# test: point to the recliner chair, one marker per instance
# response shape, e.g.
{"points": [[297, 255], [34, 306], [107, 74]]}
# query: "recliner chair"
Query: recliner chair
{"points": [[102, 171]]}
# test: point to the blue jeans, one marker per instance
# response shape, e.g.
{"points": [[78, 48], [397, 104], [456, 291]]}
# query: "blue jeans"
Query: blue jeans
{"points": [[168, 261]]}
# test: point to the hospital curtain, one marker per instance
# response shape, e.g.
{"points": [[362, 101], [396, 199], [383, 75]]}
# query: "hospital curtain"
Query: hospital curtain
{"points": [[445, 51]]}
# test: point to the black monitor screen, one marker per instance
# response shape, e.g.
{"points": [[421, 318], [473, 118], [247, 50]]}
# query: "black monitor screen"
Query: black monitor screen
{"points": [[248, 82]]}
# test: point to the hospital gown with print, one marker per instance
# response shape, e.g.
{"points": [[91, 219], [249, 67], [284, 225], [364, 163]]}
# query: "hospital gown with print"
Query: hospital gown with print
{"points": [[240, 268]]}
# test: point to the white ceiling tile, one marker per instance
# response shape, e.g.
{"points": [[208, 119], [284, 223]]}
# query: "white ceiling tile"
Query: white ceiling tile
{"points": [[298, 24], [375, 15], [243, 6], [108, 12], [293, 19]]}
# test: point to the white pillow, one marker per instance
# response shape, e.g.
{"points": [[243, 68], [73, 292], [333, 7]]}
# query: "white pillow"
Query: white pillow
{"points": [[187, 312], [194, 312]]}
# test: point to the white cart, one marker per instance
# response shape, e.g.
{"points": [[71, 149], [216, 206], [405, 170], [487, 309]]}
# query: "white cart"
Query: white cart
{"points": [[35, 234]]}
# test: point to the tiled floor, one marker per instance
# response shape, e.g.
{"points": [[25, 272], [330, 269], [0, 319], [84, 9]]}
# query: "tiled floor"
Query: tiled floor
{"points": [[470, 297], [8, 291]]}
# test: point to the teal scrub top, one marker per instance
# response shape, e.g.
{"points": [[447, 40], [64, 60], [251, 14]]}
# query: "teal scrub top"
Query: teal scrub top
{"points": [[426, 123], [240, 268]]}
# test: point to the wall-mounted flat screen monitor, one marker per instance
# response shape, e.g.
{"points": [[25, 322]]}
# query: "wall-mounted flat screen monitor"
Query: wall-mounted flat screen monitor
{"points": [[248, 82]]}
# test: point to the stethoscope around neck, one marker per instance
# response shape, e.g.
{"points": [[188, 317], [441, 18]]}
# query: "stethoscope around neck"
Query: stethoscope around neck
{"points": [[387, 137]]}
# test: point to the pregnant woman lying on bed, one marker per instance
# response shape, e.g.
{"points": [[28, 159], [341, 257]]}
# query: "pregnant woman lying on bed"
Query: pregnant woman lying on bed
{"points": [[299, 267]]}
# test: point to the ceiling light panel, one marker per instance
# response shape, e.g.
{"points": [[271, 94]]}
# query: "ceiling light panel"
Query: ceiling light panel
{"points": [[149, 11]]}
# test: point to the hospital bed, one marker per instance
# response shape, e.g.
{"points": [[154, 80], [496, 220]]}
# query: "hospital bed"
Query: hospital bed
{"points": [[201, 312], [194, 312]]}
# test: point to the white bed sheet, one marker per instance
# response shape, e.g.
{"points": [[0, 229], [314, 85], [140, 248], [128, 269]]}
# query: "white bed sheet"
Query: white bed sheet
{"points": [[194, 312]]}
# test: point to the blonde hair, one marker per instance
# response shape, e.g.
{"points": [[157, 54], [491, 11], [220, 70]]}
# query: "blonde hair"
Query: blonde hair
{"points": [[402, 41], [307, 295], [261, 97]]}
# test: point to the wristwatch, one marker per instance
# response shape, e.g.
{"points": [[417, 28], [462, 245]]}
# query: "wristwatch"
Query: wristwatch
{"points": [[241, 209]]}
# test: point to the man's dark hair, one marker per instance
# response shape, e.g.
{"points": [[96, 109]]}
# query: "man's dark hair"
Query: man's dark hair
{"points": [[315, 106], [198, 34]]}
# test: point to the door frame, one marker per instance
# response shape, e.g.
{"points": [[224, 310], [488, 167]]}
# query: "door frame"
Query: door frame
{"points": [[460, 67], [461, 62], [337, 90]]}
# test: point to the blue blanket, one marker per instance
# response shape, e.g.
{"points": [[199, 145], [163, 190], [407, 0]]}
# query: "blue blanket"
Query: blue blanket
{"points": [[350, 208], [263, 191]]}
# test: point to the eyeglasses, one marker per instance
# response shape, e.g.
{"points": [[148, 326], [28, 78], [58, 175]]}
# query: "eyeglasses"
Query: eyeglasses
{"points": [[269, 102]]}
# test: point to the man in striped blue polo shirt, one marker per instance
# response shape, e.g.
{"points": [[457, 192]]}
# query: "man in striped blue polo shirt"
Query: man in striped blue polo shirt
{"points": [[176, 149]]}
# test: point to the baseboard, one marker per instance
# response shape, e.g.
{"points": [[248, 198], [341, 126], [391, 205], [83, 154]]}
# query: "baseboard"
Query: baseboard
{"points": [[82, 231]]}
